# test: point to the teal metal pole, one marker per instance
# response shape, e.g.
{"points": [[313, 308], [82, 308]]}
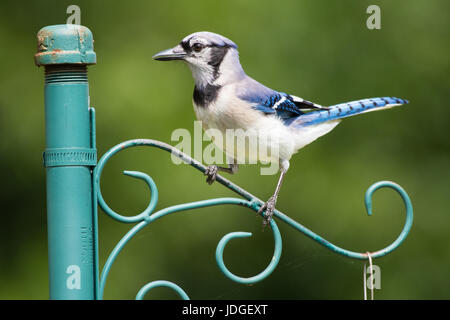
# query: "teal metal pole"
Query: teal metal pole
{"points": [[70, 154]]}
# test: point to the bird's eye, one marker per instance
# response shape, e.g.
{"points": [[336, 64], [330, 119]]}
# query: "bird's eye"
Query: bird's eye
{"points": [[197, 47]]}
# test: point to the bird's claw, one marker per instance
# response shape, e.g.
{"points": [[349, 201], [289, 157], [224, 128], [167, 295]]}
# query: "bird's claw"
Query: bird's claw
{"points": [[211, 172], [269, 208]]}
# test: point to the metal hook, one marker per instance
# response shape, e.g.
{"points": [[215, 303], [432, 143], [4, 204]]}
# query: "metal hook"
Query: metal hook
{"points": [[161, 283], [266, 272], [135, 174], [364, 277], [368, 202], [145, 221], [146, 217]]}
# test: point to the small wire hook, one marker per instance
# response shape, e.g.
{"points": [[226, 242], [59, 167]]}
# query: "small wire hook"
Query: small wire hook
{"points": [[371, 279]]}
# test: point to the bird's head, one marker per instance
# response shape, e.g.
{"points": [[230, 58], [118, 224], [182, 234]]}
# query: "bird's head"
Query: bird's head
{"points": [[212, 58]]}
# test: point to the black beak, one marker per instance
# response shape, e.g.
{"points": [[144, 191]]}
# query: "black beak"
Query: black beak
{"points": [[176, 53]]}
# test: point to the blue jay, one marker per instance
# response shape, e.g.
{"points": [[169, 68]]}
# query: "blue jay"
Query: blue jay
{"points": [[226, 98]]}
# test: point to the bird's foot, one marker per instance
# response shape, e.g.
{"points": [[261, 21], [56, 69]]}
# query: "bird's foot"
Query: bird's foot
{"points": [[211, 172], [269, 208]]}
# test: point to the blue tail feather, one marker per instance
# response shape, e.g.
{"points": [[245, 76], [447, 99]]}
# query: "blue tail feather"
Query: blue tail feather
{"points": [[348, 109]]}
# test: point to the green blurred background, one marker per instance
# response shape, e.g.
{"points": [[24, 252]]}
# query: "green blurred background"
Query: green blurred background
{"points": [[319, 50]]}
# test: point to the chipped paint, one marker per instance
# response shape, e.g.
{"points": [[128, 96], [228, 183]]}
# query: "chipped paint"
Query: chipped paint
{"points": [[65, 44]]}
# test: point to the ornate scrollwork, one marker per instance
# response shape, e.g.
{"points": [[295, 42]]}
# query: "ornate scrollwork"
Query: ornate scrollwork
{"points": [[147, 216]]}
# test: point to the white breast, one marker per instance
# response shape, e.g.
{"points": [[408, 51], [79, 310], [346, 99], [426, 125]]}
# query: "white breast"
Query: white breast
{"points": [[257, 137]]}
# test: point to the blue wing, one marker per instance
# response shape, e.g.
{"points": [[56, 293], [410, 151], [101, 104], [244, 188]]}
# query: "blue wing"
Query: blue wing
{"points": [[286, 106], [293, 110], [281, 104], [271, 102]]}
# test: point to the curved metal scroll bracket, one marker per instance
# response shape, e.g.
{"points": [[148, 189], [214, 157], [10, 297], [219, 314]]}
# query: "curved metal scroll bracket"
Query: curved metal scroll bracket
{"points": [[161, 283], [147, 216], [273, 263]]}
